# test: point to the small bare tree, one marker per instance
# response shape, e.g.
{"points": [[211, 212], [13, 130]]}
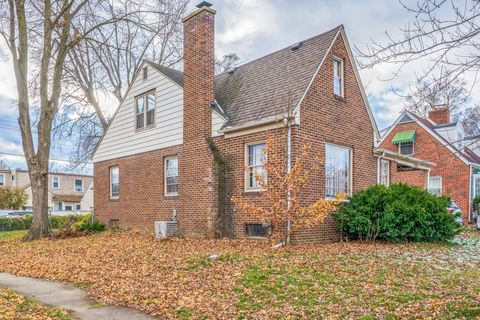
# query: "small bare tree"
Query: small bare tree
{"points": [[448, 42], [226, 63], [426, 95], [4, 164]]}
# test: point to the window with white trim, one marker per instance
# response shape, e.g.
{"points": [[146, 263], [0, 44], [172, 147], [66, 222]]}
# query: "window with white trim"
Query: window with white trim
{"points": [[406, 148], [337, 170], [435, 185], [78, 207], [255, 163], [476, 180], [78, 185], [171, 176], [384, 172], [145, 110], [114, 182], [56, 183], [2, 180], [338, 76]]}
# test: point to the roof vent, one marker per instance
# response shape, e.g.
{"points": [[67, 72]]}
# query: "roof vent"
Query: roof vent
{"points": [[232, 70], [297, 46], [204, 4]]}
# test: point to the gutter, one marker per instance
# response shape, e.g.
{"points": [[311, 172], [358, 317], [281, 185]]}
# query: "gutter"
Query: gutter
{"points": [[253, 124]]}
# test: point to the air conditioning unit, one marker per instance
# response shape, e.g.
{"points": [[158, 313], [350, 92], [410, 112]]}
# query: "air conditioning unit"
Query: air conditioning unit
{"points": [[166, 229]]}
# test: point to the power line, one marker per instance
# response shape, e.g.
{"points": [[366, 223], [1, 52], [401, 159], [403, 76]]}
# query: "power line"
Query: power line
{"points": [[51, 159]]}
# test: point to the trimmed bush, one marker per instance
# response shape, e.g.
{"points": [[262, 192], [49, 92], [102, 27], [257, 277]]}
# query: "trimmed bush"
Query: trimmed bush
{"points": [[86, 223], [397, 213], [25, 222]]}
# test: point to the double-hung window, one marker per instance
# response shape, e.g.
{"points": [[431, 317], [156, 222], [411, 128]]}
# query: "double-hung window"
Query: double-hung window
{"points": [[435, 185], [56, 183], [114, 183], [255, 163], [145, 110], [337, 170], [476, 180], [171, 176], [338, 76], [78, 185]]}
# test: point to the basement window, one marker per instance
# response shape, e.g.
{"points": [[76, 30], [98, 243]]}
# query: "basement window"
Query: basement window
{"points": [[257, 230]]}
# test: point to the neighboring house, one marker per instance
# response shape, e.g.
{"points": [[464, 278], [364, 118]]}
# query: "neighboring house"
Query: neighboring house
{"points": [[154, 162], [66, 192], [431, 153]]}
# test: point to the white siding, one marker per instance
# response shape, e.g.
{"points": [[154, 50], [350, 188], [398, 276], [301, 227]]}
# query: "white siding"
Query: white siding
{"points": [[217, 123], [122, 140], [87, 201]]}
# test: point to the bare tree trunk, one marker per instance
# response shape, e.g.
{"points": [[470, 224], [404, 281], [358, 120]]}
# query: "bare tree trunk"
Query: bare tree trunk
{"points": [[40, 223]]}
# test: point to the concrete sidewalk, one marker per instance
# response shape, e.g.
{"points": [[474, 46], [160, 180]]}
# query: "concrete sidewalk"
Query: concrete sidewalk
{"points": [[68, 297]]}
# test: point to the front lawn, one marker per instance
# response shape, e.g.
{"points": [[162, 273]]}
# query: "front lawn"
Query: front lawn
{"points": [[15, 306], [176, 279]]}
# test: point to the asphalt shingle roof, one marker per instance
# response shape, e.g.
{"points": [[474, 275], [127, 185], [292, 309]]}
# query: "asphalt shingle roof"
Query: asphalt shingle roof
{"points": [[268, 86]]}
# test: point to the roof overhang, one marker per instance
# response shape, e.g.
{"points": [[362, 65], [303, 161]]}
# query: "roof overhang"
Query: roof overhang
{"points": [[402, 159]]}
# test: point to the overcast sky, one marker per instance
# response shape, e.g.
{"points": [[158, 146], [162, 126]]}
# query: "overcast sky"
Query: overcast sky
{"points": [[253, 28]]}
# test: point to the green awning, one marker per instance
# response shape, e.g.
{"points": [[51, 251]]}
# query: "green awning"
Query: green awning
{"points": [[405, 136]]}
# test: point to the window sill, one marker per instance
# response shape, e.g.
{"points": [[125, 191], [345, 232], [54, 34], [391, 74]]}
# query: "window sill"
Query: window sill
{"points": [[340, 98], [138, 130], [171, 196], [114, 199], [256, 238], [253, 192]]}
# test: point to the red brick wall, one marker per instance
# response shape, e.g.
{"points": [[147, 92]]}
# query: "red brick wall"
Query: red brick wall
{"points": [[142, 199], [197, 190], [326, 118], [415, 177], [440, 115], [455, 173]]}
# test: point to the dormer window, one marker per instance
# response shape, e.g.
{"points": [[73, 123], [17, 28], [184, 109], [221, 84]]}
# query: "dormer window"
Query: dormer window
{"points": [[338, 76], [406, 148], [405, 141], [145, 110]]}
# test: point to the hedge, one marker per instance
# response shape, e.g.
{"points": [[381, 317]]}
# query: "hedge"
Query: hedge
{"points": [[25, 222]]}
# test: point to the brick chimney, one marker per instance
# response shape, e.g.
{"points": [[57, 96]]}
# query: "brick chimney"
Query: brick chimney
{"points": [[197, 190], [440, 115]]}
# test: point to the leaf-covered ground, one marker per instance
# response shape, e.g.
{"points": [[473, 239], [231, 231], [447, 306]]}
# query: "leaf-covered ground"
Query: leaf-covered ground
{"points": [[249, 280], [15, 306]]}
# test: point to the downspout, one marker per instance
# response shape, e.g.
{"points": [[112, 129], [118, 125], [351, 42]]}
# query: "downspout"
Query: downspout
{"points": [[470, 186], [289, 167]]}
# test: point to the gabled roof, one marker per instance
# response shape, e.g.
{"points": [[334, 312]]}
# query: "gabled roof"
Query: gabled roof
{"points": [[273, 84], [466, 155], [270, 85], [173, 74]]}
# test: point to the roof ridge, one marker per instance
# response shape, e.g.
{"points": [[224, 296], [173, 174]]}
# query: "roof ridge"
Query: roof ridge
{"points": [[276, 51]]}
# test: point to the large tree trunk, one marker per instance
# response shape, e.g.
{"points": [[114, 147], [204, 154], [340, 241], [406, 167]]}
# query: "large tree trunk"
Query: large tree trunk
{"points": [[40, 223]]}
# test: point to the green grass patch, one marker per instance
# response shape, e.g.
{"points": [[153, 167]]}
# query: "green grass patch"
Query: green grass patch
{"points": [[7, 235]]}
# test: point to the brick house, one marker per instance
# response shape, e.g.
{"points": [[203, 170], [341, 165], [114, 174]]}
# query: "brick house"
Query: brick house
{"points": [[182, 143], [431, 153]]}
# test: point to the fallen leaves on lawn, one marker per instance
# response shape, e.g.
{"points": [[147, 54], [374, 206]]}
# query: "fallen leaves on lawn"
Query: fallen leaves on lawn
{"points": [[16, 307], [176, 279]]}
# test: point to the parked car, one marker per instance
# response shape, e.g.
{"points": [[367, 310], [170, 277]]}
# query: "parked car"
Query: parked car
{"points": [[455, 210]]}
